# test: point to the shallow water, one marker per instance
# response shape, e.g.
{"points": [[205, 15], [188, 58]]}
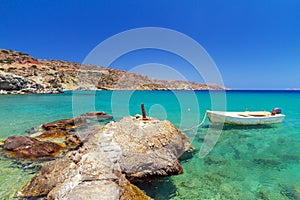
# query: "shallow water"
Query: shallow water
{"points": [[246, 163]]}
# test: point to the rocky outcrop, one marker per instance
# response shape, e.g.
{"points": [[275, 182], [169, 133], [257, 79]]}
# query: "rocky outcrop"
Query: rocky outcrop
{"points": [[53, 74], [133, 148], [10, 56], [148, 148], [13, 84]]}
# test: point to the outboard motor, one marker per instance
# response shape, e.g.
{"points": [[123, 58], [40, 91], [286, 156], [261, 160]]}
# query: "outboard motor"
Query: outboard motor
{"points": [[276, 111]]}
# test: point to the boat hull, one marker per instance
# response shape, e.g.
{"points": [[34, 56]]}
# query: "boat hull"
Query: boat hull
{"points": [[244, 118]]}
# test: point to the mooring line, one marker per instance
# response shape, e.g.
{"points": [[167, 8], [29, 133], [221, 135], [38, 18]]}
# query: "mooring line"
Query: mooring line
{"points": [[198, 125]]}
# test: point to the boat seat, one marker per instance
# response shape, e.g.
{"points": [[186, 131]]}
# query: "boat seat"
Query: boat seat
{"points": [[243, 115]]}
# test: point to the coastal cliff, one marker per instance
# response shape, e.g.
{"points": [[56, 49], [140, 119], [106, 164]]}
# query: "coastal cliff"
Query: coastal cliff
{"points": [[53, 76]]}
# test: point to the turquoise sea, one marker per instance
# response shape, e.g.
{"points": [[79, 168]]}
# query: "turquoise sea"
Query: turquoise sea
{"points": [[253, 162]]}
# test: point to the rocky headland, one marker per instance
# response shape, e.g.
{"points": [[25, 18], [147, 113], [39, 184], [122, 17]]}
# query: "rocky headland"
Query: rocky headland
{"points": [[93, 161], [20, 73]]}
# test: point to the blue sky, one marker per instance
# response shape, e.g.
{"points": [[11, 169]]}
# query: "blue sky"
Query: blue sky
{"points": [[255, 44]]}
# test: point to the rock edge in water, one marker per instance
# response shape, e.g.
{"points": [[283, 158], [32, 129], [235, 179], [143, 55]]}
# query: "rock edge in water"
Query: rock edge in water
{"points": [[51, 139]]}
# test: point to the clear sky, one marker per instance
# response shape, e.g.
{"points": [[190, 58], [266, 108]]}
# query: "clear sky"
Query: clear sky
{"points": [[254, 43]]}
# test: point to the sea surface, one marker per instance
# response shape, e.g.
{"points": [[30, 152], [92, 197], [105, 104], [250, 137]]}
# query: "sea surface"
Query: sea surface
{"points": [[252, 162]]}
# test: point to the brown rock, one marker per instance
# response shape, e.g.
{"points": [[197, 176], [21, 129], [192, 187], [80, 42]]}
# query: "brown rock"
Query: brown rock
{"points": [[97, 116], [65, 124], [130, 191], [53, 133], [66, 139], [52, 138], [72, 141], [28, 147]]}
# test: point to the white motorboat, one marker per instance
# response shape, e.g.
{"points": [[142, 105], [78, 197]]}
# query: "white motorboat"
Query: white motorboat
{"points": [[246, 118]]}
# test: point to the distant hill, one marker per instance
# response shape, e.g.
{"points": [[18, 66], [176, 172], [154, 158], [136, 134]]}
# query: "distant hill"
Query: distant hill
{"points": [[52, 76]]}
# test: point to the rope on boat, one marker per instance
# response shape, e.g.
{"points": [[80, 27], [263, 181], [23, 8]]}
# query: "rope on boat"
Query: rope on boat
{"points": [[198, 125]]}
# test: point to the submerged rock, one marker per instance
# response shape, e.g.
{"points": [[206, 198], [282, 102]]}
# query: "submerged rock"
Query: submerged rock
{"points": [[268, 162], [289, 191], [214, 160], [297, 189], [132, 148]]}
